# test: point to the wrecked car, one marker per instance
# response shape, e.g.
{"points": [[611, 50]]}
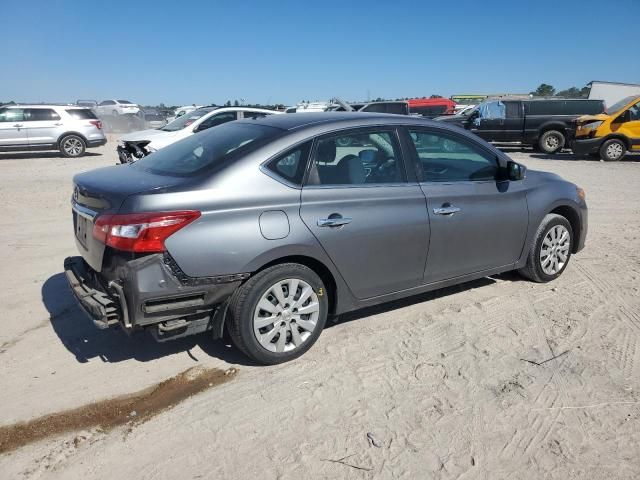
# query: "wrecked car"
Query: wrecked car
{"points": [[136, 145]]}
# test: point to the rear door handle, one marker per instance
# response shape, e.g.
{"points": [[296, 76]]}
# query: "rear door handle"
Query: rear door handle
{"points": [[334, 221], [446, 210], [18, 125], [58, 124]]}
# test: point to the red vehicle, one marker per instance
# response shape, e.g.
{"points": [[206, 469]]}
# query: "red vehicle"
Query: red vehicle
{"points": [[431, 107]]}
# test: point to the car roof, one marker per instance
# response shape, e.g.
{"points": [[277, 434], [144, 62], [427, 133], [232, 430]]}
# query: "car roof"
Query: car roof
{"points": [[296, 121], [40, 105]]}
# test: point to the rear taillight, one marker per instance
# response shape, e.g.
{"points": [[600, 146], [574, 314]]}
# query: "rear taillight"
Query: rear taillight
{"points": [[96, 123], [141, 232]]}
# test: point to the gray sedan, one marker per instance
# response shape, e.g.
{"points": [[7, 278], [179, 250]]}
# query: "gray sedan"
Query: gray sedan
{"points": [[265, 227]]}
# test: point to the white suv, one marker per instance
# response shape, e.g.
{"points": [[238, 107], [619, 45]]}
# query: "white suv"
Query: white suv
{"points": [[116, 107], [136, 145], [68, 128]]}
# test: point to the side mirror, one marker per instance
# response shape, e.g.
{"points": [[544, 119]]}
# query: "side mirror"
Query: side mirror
{"points": [[516, 171]]}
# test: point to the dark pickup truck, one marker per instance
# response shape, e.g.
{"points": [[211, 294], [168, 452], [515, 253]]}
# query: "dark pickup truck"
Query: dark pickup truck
{"points": [[546, 124]]}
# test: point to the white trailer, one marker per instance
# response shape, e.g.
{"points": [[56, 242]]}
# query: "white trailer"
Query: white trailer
{"points": [[611, 92]]}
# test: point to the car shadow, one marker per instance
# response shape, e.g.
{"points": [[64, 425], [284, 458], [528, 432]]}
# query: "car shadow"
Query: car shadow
{"points": [[41, 154], [81, 338], [423, 297], [568, 156]]}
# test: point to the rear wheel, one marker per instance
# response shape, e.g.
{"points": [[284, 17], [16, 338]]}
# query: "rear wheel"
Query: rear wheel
{"points": [[550, 250], [613, 150], [72, 146], [278, 314], [551, 141]]}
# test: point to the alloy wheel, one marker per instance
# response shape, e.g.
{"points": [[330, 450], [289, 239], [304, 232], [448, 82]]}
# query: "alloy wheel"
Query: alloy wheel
{"points": [[555, 250], [286, 315], [72, 146]]}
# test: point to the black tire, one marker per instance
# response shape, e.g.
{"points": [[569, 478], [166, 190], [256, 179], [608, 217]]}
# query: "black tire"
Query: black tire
{"points": [[533, 269], [244, 302], [72, 146], [115, 113], [551, 141], [613, 150]]}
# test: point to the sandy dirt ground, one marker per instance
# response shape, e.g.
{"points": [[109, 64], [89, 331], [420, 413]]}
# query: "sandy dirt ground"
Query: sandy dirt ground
{"points": [[449, 385]]}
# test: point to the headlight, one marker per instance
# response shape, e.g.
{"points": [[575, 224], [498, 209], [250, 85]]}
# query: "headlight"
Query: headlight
{"points": [[592, 125]]}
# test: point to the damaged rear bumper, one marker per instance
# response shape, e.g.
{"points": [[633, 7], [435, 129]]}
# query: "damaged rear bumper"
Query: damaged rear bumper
{"points": [[151, 293], [104, 309]]}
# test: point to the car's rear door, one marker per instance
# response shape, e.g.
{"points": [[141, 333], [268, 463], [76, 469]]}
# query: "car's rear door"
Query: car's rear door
{"points": [[513, 125], [369, 218], [477, 221], [44, 126], [13, 130]]}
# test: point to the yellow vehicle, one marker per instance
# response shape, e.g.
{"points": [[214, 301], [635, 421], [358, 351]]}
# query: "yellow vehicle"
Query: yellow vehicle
{"points": [[611, 134]]}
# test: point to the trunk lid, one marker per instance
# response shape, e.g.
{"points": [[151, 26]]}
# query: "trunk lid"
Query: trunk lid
{"points": [[103, 191]]}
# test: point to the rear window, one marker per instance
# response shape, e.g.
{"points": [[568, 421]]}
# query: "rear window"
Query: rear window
{"points": [[81, 114], [206, 150]]}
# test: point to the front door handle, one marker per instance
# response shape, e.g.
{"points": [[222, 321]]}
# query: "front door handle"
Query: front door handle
{"points": [[334, 221], [18, 125], [446, 209]]}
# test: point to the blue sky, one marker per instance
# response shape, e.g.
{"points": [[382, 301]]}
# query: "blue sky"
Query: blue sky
{"points": [[285, 51]]}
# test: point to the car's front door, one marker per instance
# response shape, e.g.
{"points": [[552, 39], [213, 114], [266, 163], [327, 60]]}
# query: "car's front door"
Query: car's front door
{"points": [[369, 219], [488, 124], [44, 126], [630, 126], [478, 222], [13, 130]]}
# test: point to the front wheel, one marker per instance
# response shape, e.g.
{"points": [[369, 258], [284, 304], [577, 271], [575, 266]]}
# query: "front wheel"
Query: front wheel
{"points": [[550, 250], [613, 150], [551, 141], [72, 146], [278, 314]]}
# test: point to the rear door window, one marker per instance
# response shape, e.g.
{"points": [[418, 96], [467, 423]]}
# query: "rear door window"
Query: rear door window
{"points": [[291, 165], [357, 157], [41, 114]]}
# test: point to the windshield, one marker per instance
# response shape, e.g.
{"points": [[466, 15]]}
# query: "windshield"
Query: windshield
{"points": [[126, 102], [205, 150], [620, 105], [185, 120]]}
